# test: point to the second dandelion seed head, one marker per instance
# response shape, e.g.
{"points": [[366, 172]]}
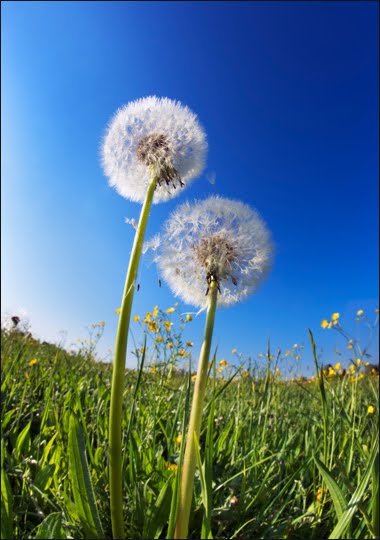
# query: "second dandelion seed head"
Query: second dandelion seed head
{"points": [[216, 239]]}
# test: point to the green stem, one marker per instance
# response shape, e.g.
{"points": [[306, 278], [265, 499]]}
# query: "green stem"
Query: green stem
{"points": [[188, 469], [116, 407]]}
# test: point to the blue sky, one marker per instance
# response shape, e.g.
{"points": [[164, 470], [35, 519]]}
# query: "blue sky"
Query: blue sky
{"points": [[288, 95]]}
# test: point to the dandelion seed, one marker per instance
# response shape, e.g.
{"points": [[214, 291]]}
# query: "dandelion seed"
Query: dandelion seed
{"points": [[156, 134], [218, 240]]}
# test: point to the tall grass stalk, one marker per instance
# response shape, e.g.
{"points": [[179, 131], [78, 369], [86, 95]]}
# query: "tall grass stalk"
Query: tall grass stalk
{"points": [[188, 470], [116, 407]]}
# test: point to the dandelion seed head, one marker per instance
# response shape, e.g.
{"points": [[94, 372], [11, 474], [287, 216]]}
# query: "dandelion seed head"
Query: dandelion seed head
{"points": [[216, 238], [153, 134]]}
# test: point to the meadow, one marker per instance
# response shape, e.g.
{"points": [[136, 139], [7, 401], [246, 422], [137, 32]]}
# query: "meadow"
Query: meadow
{"points": [[284, 456]]}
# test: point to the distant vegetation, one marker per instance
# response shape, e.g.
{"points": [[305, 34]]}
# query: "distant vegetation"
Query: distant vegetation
{"points": [[285, 457]]}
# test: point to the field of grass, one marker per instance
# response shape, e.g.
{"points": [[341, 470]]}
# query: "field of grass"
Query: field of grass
{"points": [[281, 458]]}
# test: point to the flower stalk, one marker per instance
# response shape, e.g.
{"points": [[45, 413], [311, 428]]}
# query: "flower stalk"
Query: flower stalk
{"points": [[116, 407], [188, 469]]}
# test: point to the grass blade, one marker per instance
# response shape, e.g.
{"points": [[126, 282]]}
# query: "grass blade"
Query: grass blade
{"points": [[81, 482], [337, 496], [355, 500]]}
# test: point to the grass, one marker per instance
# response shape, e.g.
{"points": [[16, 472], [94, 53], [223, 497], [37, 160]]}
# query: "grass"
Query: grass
{"points": [[279, 458]]}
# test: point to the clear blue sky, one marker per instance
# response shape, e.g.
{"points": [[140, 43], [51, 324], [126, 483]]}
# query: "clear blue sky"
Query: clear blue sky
{"points": [[288, 95]]}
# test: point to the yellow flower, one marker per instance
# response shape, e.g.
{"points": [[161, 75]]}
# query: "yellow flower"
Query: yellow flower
{"points": [[233, 351], [320, 494], [152, 326], [171, 466], [295, 346], [142, 350], [324, 324], [148, 317], [170, 345], [352, 369], [136, 318], [371, 409], [358, 361], [155, 311], [366, 364], [178, 439], [117, 311], [33, 362], [193, 377], [349, 346], [335, 316], [189, 343], [168, 325], [360, 312], [330, 325], [159, 339], [182, 352], [189, 318], [337, 366], [170, 310], [223, 363], [187, 353], [331, 372], [152, 369], [220, 369], [361, 376]]}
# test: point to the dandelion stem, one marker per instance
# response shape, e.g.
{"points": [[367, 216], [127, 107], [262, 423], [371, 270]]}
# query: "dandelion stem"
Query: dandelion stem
{"points": [[188, 470], [116, 408]]}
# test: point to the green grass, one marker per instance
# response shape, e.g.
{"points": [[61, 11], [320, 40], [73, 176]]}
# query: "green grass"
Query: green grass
{"points": [[280, 458]]}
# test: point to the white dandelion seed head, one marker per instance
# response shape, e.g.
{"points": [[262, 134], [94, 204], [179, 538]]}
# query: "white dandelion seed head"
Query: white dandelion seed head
{"points": [[156, 134], [219, 239]]}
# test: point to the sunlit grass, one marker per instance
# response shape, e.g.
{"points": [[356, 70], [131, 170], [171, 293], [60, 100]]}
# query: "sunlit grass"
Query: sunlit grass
{"points": [[285, 457]]}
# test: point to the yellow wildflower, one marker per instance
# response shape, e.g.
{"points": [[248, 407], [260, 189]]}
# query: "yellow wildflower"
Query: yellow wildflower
{"points": [[193, 377], [337, 366], [331, 372], [159, 339], [371, 409], [360, 312], [102, 323], [182, 352], [223, 363], [330, 325], [155, 311], [142, 350], [361, 376], [33, 362], [152, 369], [170, 310], [136, 318], [170, 345], [171, 466], [117, 311], [324, 324], [178, 439], [187, 353], [320, 493], [148, 317], [220, 369], [168, 325], [366, 364], [152, 326], [189, 318], [189, 343], [295, 346], [358, 361], [335, 316], [233, 351]]}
